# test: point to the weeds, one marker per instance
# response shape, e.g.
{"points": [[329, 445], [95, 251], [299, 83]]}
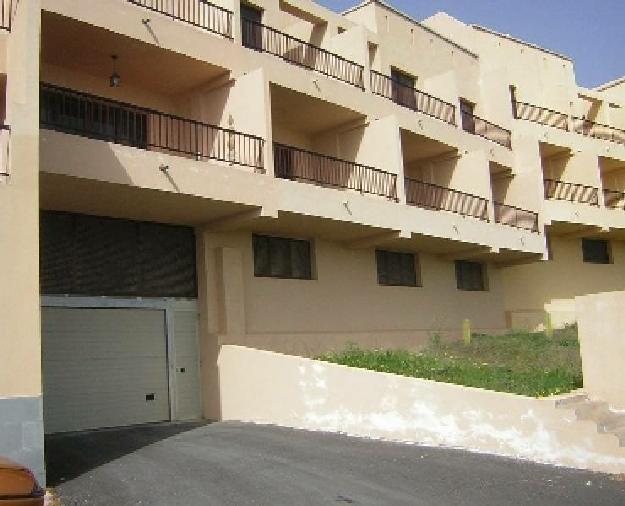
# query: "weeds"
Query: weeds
{"points": [[518, 362]]}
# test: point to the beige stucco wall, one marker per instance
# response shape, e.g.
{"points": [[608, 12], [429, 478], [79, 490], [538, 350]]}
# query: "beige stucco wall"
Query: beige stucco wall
{"points": [[552, 285], [264, 387], [20, 370], [601, 321], [343, 303]]}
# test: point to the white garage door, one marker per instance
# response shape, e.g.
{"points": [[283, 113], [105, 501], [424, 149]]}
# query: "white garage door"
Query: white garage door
{"points": [[103, 367]]}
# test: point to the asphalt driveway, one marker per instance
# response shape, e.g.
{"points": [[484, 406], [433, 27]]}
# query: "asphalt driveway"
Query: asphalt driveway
{"points": [[240, 464]]}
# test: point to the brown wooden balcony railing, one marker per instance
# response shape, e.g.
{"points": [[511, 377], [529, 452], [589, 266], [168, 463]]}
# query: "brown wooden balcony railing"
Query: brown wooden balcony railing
{"points": [[412, 98], [432, 196], [573, 192], [78, 113], [541, 115], [614, 199], [597, 130], [479, 126], [269, 40], [516, 217], [305, 166], [198, 13]]}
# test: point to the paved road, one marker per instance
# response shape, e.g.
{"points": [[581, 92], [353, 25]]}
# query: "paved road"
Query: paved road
{"points": [[240, 464]]}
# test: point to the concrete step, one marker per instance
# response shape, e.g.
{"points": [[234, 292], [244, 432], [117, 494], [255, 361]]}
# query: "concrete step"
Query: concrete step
{"points": [[571, 400], [613, 422], [592, 410]]}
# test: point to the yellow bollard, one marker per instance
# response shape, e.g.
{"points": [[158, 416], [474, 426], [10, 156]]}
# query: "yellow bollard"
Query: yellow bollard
{"points": [[548, 325], [466, 331]]}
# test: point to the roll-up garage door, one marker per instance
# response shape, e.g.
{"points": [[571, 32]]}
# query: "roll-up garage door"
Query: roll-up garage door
{"points": [[103, 367], [105, 363]]}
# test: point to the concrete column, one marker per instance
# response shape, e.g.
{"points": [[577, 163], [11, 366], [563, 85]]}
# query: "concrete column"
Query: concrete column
{"points": [[21, 417], [232, 292], [236, 22]]}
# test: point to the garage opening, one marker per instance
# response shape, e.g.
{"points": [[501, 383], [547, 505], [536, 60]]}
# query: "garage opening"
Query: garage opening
{"points": [[119, 322]]}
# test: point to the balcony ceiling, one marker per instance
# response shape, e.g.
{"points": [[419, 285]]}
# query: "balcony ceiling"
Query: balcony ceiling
{"points": [[417, 147], [611, 164], [87, 49], [551, 150], [66, 193], [308, 115]]}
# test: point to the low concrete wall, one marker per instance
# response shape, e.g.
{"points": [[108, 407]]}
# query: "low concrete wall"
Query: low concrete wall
{"points": [[601, 323], [266, 387]]}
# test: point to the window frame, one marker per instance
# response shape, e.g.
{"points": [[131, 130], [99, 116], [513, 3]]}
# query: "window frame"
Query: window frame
{"points": [[279, 242], [415, 262], [586, 254], [461, 283]]}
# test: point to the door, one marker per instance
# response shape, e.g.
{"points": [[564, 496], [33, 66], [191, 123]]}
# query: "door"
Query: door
{"points": [[251, 27], [103, 367], [467, 114]]}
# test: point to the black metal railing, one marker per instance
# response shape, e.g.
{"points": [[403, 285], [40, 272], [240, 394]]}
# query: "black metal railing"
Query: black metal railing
{"points": [[79, 113], [516, 217], [412, 98], [269, 40], [198, 13], [5, 133], [597, 130], [479, 126], [432, 196], [541, 115], [573, 192], [300, 165], [614, 199]]}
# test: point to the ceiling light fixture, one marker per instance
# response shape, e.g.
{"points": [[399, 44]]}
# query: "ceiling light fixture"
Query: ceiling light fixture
{"points": [[115, 79]]}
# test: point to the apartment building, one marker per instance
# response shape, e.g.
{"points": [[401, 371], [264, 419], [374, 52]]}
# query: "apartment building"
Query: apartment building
{"points": [[179, 174]]}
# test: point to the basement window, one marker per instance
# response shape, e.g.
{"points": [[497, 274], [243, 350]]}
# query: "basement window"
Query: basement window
{"points": [[397, 269], [277, 257], [596, 251], [470, 276]]}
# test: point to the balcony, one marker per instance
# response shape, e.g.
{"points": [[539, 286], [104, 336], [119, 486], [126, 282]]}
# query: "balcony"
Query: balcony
{"points": [[79, 113], [435, 197], [572, 192], [560, 120], [614, 199], [589, 128], [516, 217], [199, 13], [540, 115], [305, 166], [269, 40], [479, 126], [412, 98]]}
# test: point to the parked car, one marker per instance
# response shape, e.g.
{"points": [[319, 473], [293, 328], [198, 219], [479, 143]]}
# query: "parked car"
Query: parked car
{"points": [[18, 485]]}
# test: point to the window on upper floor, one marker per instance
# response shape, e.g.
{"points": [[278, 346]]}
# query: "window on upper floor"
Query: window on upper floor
{"points": [[251, 29], [67, 112], [470, 276], [278, 257], [397, 269], [403, 86], [467, 111], [596, 251]]}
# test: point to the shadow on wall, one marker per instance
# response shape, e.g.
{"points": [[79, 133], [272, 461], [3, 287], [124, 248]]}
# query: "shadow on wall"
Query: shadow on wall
{"points": [[73, 454]]}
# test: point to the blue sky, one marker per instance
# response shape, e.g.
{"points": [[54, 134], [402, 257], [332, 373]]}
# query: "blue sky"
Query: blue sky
{"points": [[591, 32]]}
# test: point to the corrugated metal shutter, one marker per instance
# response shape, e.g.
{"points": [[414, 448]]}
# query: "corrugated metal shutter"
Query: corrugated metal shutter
{"points": [[90, 255], [103, 367]]}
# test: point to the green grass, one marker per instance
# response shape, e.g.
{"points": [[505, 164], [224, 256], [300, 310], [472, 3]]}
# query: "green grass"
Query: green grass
{"points": [[518, 362]]}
